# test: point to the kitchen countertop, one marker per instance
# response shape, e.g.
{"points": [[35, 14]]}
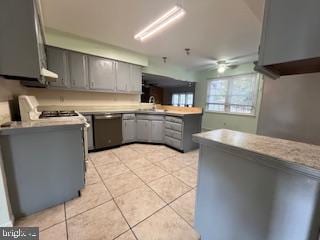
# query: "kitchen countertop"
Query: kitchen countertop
{"points": [[169, 113], [138, 109], [21, 127], [290, 152]]}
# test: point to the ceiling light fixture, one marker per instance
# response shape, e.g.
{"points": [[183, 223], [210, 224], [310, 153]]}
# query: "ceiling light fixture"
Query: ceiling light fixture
{"points": [[222, 66], [169, 17]]}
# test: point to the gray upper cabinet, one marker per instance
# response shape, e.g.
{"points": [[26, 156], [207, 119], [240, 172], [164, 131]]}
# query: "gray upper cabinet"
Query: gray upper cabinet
{"points": [[157, 131], [102, 73], [22, 51], [58, 62], [78, 70], [123, 76], [290, 37], [136, 79], [143, 130]]}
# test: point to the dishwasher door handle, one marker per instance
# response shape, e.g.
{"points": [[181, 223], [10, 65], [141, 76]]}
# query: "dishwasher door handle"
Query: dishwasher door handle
{"points": [[108, 116]]}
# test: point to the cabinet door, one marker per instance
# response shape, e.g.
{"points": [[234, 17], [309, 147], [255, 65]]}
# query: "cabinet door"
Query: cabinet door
{"points": [[143, 130], [129, 130], [78, 70], [290, 31], [123, 76], [101, 73], [136, 79], [58, 63], [157, 131]]}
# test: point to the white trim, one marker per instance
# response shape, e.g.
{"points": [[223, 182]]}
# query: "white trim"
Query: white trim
{"points": [[226, 104], [9, 223]]}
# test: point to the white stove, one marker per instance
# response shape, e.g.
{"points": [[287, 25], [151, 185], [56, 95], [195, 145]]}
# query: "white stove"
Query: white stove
{"points": [[29, 112]]}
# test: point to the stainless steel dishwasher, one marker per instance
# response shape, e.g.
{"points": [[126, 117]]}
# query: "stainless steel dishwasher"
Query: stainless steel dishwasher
{"points": [[107, 130]]}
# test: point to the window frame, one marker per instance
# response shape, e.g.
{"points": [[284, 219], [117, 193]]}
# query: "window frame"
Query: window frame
{"points": [[179, 99], [226, 104]]}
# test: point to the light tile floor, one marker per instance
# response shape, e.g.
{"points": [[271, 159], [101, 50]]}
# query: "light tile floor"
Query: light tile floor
{"points": [[135, 192]]}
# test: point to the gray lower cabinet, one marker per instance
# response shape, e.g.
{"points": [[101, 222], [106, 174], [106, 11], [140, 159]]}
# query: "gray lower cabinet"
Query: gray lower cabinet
{"points": [[101, 73], [78, 70], [90, 132], [143, 130], [129, 130], [157, 131], [178, 131], [58, 61], [44, 166]]}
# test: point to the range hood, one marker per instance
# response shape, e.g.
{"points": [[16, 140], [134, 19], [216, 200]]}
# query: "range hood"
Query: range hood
{"points": [[50, 76], [22, 43]]}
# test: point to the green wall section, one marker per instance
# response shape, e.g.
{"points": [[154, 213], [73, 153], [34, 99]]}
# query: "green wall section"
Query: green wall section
{"points": [[170, 70], [212, 120], [69, 41]]}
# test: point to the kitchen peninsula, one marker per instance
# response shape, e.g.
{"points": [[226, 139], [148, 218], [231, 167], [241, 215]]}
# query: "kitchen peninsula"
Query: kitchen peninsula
{"points": [[255, 187]]}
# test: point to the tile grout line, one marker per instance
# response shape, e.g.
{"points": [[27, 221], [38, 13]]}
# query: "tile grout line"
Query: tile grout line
{"points": [[166, 204], [65, 218], [112, 198]]}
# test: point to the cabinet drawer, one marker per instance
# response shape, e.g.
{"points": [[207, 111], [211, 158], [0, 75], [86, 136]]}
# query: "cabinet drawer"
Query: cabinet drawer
{"points": [[174, 119], [173, 134], [150, 117], [128, 116], [174, 126], [173, 142]]}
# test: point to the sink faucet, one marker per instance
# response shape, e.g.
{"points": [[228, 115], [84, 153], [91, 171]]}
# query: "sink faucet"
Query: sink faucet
{"points": [[153, 101]]}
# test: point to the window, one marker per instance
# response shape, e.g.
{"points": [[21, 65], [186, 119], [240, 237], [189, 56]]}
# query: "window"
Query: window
{"points": [[182, 99], [236, 94]]}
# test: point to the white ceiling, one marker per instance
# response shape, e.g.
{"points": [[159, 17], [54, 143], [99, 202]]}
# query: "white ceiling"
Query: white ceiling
{"points": [[212, 29]]}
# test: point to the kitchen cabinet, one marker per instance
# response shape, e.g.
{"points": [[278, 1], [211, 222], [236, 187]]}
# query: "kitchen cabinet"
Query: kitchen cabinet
{"points": [[78, 70], [290, 38], [129, 130], [58, 61], [123, 76], [157, 131], [21, 41], [102, 73], [135, 79], [143, 130]]}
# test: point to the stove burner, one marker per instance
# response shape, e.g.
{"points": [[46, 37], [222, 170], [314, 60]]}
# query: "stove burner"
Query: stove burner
{"points": [[49, 114]]}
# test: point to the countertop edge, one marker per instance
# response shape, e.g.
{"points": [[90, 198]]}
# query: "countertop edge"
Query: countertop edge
{"points": [[264, 159], [20, 130]]}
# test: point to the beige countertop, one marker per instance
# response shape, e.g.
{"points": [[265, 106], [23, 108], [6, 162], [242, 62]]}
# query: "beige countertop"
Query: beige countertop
{"points": [[289, 151], [143, 109]]}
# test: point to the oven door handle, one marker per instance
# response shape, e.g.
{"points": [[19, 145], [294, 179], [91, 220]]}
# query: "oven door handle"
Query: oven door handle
{"points": [[108, 116]]}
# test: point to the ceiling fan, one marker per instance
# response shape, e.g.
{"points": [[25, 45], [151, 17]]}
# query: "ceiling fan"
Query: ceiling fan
{"points": [[223, 65]]}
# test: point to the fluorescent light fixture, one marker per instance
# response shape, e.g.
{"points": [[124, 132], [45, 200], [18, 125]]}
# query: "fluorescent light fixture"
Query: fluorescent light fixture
{"points": [[169, 17]]}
